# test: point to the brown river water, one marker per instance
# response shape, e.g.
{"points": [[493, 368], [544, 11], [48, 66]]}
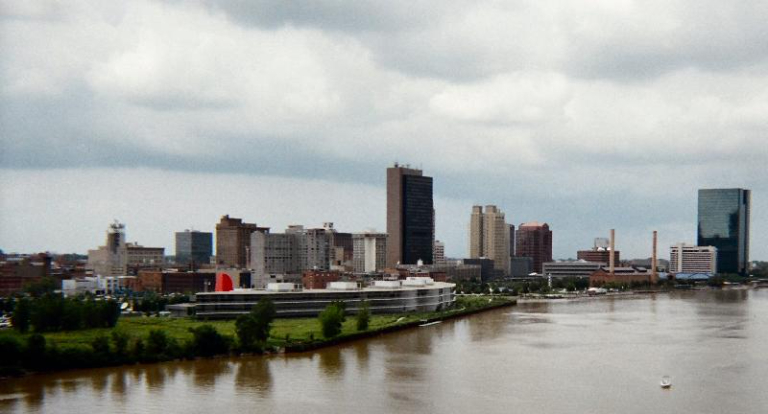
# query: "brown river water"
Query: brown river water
{"points": [[602, 355]]}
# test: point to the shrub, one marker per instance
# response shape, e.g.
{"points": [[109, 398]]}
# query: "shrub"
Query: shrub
{"points": [[331, 319], [10, 352], [120, 342], [138, 353], [208, 342], [74, 357], [157, 343], [101, 352], [363, 317], [34, 353]]}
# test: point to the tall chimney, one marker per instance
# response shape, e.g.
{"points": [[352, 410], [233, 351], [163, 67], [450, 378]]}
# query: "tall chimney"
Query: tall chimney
{"points": [[611, 256], [654, 276]]}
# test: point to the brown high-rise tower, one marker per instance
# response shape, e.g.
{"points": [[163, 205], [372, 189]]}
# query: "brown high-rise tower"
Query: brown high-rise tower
{"points": [[233, 240], [410, 216], [534, 240]]}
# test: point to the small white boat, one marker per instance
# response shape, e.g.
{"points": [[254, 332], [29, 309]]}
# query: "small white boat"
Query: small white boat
{"points": [[666, 382], [430, 323]]}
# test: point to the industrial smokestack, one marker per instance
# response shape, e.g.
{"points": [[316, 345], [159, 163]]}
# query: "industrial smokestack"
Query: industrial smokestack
{"points": [[611, 256], [653, 259]]}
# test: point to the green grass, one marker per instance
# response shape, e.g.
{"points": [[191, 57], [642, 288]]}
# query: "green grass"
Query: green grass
{"points": [[300, 330]]}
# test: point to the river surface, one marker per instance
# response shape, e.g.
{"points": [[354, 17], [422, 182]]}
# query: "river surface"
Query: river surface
{"points": [[602, 355]]}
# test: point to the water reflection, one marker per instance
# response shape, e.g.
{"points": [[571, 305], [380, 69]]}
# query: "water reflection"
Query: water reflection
{"points": [[9, 402], [254, 374], [362, 354], [69, 385], [118, 386], [491, 327], [205, 373], [99, 381], [155, 377], [331, 363], [34, 398]]}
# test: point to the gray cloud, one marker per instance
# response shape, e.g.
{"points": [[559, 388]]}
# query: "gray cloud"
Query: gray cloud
{"points": [[588, 115]]}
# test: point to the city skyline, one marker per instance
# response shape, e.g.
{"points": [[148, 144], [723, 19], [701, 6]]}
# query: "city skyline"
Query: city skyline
{"points": [[167, 115], [451, 251]]}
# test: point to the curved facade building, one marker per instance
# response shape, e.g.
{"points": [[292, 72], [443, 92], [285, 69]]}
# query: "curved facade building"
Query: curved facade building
{"points": [[384, 297]]}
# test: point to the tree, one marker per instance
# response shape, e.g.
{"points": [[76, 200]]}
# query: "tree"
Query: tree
{"points": [[21, 315], [47, 313], [110, 311], [263, 313], [72, 315], [363, 316], [92, 317], [331, 319], [45, 286], [256, 325], [245, 328]]}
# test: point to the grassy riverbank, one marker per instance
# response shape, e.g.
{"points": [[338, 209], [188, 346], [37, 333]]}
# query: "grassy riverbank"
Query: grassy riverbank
{"points": [[289, 334]]}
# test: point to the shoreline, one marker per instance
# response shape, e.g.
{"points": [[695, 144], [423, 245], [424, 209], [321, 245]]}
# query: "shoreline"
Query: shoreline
{"points": [[275, 345], [313, 346]]}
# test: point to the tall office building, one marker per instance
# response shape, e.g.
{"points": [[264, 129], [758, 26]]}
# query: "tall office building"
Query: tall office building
{"points": [[724, 224], [439, 255], [370, 251], [341, 248], [193, 246], [489, 237], [118, 258], [292, 252], [233, 241], [534, 240], [410, 216]]}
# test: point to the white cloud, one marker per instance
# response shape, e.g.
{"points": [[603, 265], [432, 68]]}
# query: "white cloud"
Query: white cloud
{"points": [[506, 99]]}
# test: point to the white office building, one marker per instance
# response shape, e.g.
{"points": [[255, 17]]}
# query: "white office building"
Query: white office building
{"points": [[692, 259]]}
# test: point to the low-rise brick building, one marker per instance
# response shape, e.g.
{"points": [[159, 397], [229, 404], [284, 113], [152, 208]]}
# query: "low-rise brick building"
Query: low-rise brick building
{"points": [[16, 272], [319, 279], [622, 275], [173, 282]]}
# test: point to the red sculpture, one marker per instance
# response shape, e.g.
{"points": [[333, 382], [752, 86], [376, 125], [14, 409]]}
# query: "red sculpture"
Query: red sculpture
{"points": [[223, 282]]}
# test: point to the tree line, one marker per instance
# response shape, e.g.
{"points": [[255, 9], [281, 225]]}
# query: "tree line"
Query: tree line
{"points": [[52, 313], [37, 354], [514, 288]]}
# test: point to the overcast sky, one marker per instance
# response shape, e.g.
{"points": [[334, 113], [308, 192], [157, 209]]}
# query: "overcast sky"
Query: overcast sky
{"points": [[587, 115]]}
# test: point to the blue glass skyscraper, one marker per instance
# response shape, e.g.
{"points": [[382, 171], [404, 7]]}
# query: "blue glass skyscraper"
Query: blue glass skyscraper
{"points": [[724, 223]]}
